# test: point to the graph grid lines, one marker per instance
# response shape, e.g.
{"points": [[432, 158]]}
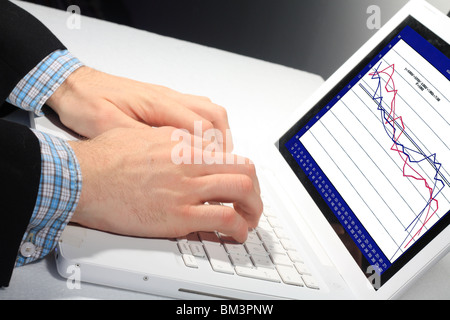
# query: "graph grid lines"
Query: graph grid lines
{"points": [[383, 146]]}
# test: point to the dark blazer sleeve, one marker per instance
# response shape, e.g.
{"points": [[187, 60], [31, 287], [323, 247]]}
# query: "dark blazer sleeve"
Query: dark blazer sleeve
{"points": [[20, 169], [24, 42]]}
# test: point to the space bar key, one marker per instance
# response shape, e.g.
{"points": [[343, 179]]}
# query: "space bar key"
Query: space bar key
{"points": [[259, 273]]}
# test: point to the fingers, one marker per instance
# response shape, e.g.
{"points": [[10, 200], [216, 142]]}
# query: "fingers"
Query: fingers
{"points": [[228, 179], [214, 113], [235, 164], [238, 189], [183, 110], [177, 115], [231, 179], [219, 218], [208, 161]]}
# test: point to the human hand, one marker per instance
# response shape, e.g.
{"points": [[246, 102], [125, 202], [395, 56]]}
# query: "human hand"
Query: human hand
{"points": [[131, 186], [91, 102]]}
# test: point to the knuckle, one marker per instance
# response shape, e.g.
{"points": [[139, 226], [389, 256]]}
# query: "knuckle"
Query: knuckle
{"points": [[206, 125], [227, 217], [250, 169], [221, 112], [188, 213], [206, 99], [245, 184], [231, 224]]}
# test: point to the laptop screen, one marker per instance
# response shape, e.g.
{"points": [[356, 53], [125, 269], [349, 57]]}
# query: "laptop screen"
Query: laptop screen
{"points": [[375, 152]]}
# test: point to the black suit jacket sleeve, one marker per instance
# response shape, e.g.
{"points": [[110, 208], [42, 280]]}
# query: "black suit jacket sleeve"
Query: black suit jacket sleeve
{"points": [[20, 168], [24, 42]]}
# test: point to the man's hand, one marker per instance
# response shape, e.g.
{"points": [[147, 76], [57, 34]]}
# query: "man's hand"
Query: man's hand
{"points": [[131, 186], [91, 102]]}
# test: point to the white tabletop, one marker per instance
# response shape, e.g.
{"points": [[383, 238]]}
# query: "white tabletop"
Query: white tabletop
{"points": [[255, 93]]}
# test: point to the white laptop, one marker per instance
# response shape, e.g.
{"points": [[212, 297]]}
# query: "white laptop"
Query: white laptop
{"points": [[356, 191]]}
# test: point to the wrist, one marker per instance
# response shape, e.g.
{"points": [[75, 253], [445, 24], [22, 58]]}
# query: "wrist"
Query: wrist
{"points": [[87, 212], [68, 89]]}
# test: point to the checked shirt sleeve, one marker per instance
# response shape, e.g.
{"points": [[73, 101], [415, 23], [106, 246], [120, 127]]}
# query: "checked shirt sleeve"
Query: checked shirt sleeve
{"points": [[32, 92], [60, 181], [58, 196]]}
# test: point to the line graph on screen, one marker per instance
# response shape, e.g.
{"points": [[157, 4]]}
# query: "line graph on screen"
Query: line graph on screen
{"points": [[383, 145]]}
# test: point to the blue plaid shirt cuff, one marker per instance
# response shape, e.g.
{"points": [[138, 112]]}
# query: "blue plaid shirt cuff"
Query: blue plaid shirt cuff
{"points": [[32, 92], [58, 196]]}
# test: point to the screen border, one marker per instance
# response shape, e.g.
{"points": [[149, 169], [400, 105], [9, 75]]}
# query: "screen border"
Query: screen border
{"points": [[329, 215]]}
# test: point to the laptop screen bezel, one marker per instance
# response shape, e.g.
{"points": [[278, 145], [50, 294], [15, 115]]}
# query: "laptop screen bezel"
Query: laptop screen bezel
{"points": [[438, 43]]}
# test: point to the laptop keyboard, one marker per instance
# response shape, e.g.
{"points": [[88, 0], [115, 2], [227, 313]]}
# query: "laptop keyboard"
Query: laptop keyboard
{"points": [[268, 254]]}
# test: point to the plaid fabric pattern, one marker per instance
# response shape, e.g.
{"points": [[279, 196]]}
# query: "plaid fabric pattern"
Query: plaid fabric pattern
{"points": [[58, 196], [60, 185], [38, 85]]}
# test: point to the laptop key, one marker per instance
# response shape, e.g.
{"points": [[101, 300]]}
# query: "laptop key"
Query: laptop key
{"points": [[262, 261], [274, 222], [197, 250], [281, 234], [302, 268], [258, 273], [310, 282], [235, 248], [268, 212], [183, 246], [281, 258], [295, 256], [290, 276], [253, 238], [218, 258], [274, 247], [287, 244], [240, 260], [189, 260], [254, 248]]}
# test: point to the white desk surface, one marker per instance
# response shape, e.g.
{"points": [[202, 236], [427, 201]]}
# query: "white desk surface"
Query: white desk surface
{"points": [[254, 92]]}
